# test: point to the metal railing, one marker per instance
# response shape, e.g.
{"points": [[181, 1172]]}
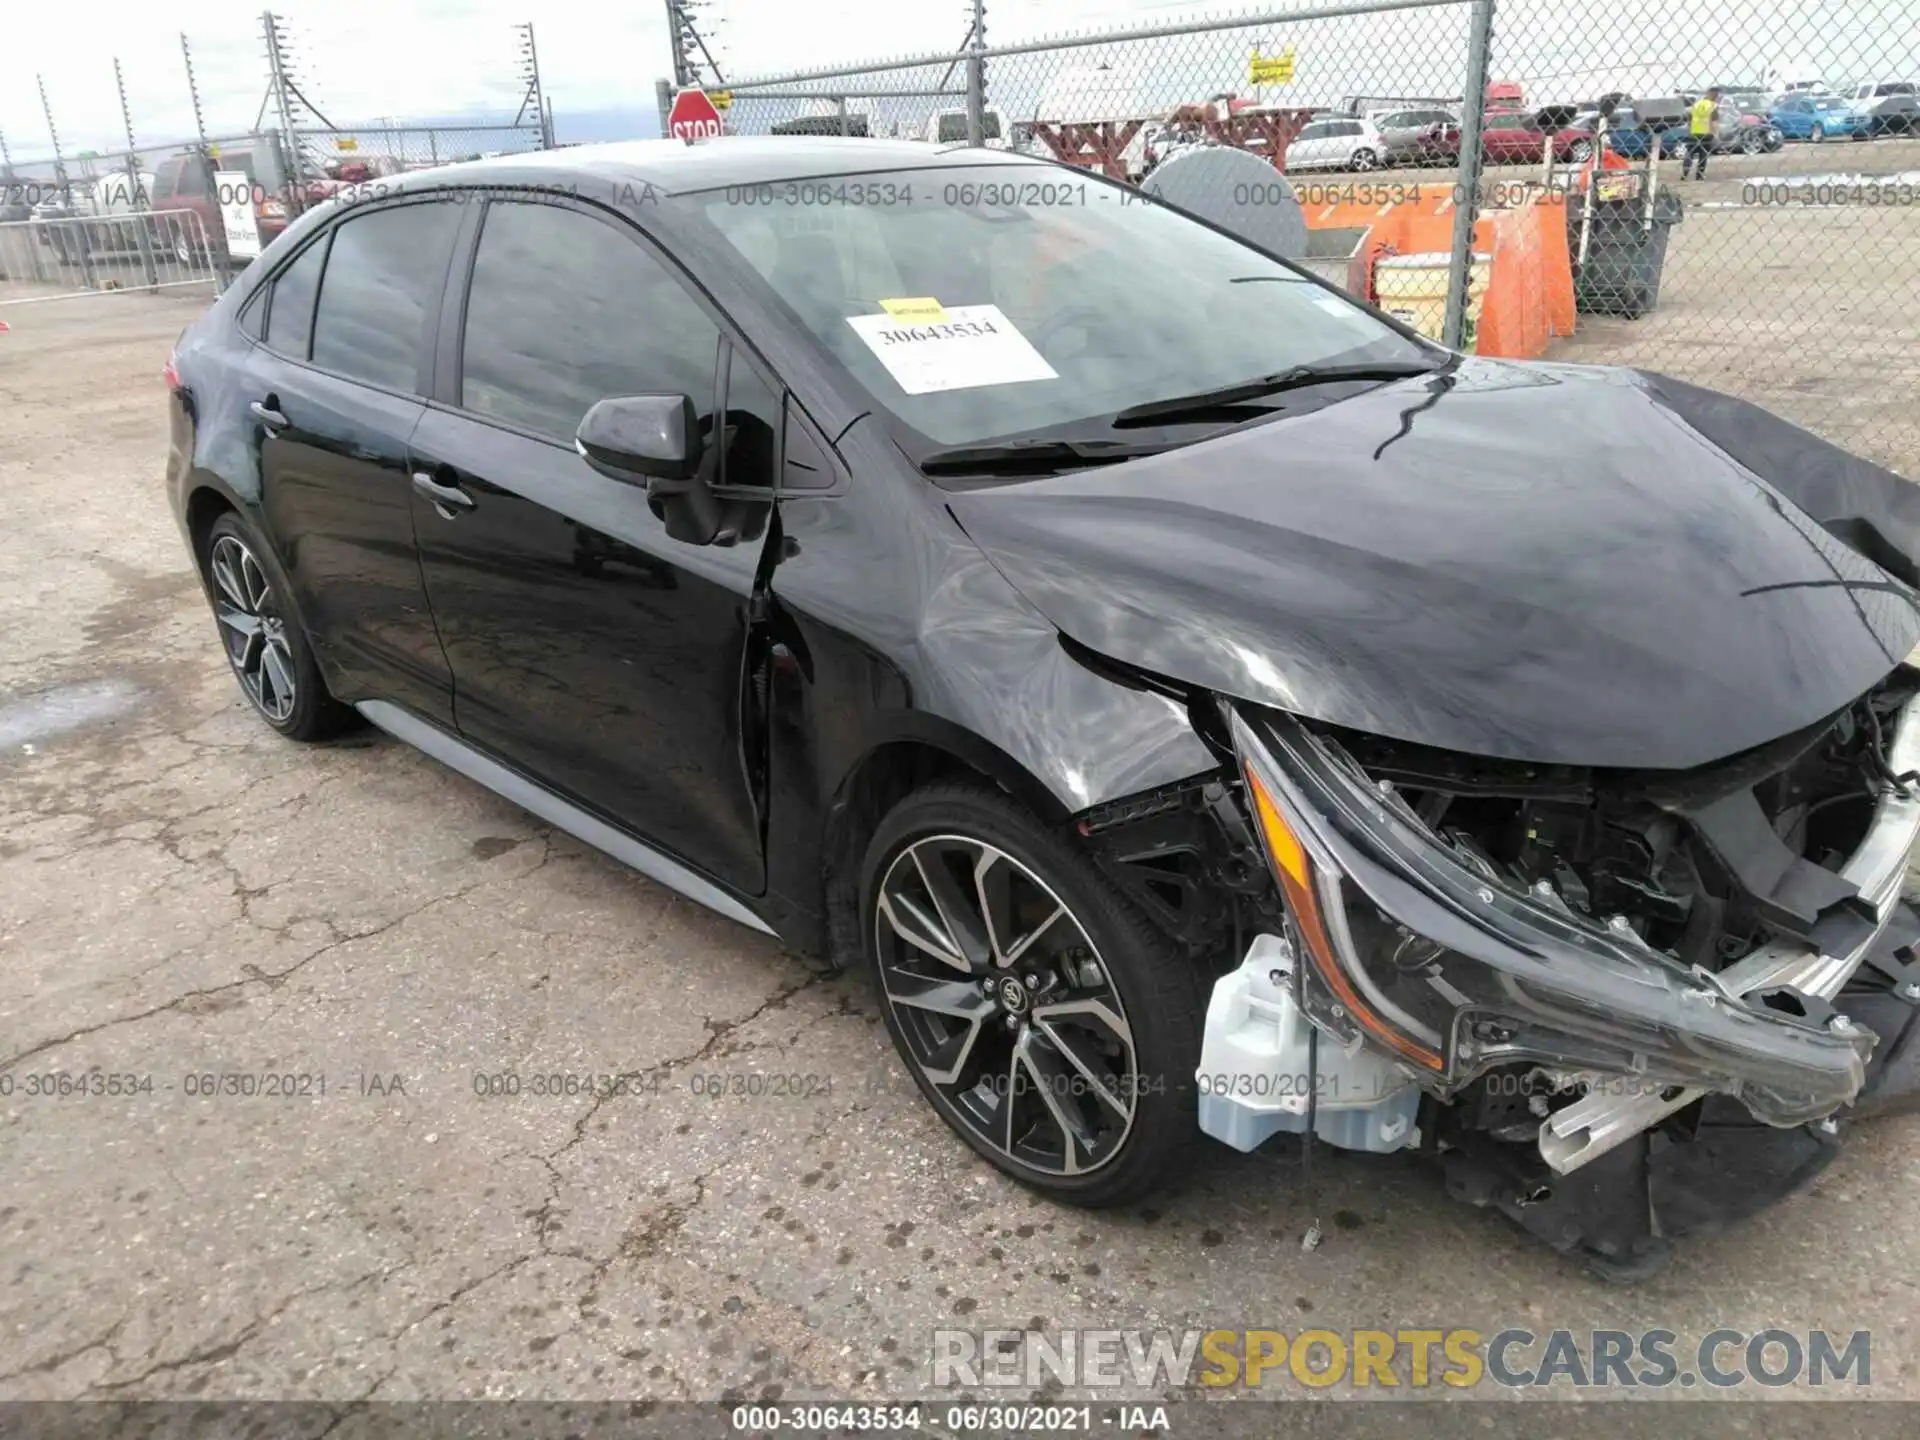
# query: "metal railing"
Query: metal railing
{"points": [[63, 258]]}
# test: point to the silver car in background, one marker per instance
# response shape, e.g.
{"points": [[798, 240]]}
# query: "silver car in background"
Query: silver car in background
{"points": [[1337, 142], [1407, 133]]}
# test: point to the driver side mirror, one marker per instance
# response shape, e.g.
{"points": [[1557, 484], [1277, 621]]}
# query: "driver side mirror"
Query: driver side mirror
{"points": [[654, 441]]}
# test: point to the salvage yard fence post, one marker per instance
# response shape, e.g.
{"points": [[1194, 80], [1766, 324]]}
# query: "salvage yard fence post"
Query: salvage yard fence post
{"points": [[1466, 208]]}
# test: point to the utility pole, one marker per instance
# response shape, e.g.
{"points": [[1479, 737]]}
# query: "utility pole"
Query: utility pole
{"points": [[531, 93], [193, 90], [137, 197], [53, 134], [284, 92], [689, 67], [66, 189]]}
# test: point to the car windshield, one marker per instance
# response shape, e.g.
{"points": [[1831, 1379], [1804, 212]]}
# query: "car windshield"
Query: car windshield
{"points": [[981, 303]]}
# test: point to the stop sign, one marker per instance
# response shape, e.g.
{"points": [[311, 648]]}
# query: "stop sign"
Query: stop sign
{"points": [[693, 117]]}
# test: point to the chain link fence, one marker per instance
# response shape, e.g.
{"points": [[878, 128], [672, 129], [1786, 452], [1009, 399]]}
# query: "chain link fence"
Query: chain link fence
{"points": [[211, 199], [1723, 190], [1789, 230]]}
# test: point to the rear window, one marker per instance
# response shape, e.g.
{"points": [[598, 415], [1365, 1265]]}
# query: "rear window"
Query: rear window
{"points": [[953, 128], [382, 278], [290, 306]]}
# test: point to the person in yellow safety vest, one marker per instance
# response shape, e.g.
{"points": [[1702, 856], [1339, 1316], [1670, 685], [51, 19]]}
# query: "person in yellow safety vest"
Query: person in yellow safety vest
{"points": [[1700, 118]]}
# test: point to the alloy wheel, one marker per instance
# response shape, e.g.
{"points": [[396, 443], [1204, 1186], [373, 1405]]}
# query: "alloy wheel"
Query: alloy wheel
{"points": [[1819, 134], [1365, 160], [1005, 1006], [253, 629], [1580, 150]]}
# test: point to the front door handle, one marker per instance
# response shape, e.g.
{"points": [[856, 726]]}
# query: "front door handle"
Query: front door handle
{"points": [[449, 500], [268, 413]]}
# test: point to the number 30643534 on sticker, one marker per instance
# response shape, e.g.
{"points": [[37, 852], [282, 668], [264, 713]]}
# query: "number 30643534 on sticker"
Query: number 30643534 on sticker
{"points": [[974, 345]]}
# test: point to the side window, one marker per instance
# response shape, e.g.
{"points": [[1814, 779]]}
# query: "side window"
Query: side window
{"points": [[752, 427], [565, 311], [290, 306], [804, 462], [1315, 131], [382, 279], [253, 319]]}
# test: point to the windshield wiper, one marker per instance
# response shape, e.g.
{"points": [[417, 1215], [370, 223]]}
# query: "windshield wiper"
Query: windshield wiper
{"points": [[1203, 402], [1035, 457]]}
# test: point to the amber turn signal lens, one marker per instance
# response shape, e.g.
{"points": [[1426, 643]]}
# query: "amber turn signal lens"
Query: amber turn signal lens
{"points": [[1295, 872]]}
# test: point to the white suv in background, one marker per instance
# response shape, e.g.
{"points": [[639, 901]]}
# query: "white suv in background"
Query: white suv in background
{"points": [[1890, 107], [1337, 142]]}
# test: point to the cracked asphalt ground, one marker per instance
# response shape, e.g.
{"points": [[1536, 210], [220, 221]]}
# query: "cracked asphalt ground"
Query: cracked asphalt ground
{"points": [[182, 893]]}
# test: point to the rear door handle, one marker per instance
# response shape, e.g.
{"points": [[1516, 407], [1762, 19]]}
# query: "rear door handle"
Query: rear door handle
{"points": [[269, 415], [449, 500]]}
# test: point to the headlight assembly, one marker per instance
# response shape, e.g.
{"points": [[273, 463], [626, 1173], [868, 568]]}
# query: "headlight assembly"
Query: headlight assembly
{"points": [[1453, 967]]}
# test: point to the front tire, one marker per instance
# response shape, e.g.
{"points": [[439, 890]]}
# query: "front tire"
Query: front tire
{"points": [[1819, 134], [265, 645], [1045, 1019], [1580, 151]]}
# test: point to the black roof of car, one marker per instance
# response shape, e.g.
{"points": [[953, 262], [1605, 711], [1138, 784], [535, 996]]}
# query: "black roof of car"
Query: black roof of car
{"points": [[674, 167]]}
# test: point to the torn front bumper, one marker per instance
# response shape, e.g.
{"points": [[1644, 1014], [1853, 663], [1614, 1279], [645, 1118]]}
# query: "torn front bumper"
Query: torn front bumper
{"points": [[1452, 971]]}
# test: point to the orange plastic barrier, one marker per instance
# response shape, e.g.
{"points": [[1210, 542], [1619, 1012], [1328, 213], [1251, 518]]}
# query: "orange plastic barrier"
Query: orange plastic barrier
{"points": [[1529, 298]]}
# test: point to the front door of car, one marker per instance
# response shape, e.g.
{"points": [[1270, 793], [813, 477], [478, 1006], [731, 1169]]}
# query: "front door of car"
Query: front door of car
{"points": [[590, 650], [335, 388]]}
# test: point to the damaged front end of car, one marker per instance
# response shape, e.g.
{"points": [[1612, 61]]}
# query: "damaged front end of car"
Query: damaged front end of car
{"points": [[1614, 1004]]}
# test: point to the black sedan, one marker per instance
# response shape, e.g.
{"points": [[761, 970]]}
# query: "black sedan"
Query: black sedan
{"points": [[1201, 704]]}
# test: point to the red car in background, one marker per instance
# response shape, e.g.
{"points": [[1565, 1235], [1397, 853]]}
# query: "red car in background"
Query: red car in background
{"points": [[1512, 137]]}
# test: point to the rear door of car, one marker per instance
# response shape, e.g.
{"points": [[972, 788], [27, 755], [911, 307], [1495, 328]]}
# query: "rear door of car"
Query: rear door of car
{"points": [[1309, 147], [335, 387], [590, 649]]}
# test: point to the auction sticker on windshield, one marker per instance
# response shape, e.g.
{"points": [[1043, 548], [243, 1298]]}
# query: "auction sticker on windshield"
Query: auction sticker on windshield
{"points": [[972, 345]]}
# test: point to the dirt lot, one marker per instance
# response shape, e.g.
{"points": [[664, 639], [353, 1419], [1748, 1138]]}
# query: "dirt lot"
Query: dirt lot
{"points": [[1792, 278], [182, 894]]}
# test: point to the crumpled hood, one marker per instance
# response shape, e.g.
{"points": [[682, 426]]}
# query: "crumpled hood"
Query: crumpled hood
{"points": [[1560, 564]]}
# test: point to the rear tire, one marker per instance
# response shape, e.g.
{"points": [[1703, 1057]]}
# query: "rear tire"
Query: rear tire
{"points": [[266, 647], [1364, 159], [1818, 134], [1041, 1014]]}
